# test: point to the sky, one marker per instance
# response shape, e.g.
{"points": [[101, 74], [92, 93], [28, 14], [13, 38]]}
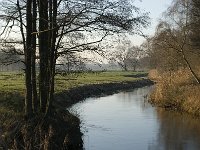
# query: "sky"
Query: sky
{"points": [[155, 8]]}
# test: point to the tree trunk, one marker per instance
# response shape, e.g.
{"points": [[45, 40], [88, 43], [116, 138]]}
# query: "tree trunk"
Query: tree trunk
{"points": [[34, 85], [28, 57], [44, 54], [125, 67], [190, 68], [134, 68], [52, 54]]}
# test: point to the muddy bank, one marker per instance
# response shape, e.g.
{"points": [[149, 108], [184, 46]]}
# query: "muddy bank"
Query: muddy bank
{"points": [[74, 95]]}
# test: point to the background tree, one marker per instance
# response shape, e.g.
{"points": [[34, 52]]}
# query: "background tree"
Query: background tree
{"points": [[194, 24], [125, 55], [134, 55], [72, 62], [172, 46], [120, 54]]}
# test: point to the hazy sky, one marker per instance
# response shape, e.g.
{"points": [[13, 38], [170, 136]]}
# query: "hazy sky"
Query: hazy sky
{"points": [[155, 8]]}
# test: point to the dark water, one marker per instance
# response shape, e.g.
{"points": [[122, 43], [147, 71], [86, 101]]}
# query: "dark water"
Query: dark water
{"points": [[125, 121]]}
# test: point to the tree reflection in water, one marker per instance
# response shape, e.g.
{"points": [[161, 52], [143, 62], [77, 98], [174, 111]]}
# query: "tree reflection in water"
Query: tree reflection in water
{"points": [[176, 132]]}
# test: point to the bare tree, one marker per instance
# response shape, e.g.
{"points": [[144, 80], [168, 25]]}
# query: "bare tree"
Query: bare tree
{"points": [[134, 55], [125, 55], [172, 39], [72, 62], [120, 54]]}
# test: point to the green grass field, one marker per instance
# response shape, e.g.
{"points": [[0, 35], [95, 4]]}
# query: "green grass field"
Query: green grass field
{"points": [[74, 80], [12, 86]]}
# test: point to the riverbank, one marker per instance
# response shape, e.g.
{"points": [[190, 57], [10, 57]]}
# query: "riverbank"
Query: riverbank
{"points": [[176, 91], [81, 87], [74, 95]]}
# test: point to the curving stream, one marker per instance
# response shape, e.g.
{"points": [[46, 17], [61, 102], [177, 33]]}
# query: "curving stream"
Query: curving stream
{"points": [[126, 121]]}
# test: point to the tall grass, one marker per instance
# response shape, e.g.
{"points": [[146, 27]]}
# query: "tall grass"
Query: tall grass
{"points": [[176, 90]]}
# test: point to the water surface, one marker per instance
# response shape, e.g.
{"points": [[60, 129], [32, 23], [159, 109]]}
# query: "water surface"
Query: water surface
{"points": [[126, 121]]}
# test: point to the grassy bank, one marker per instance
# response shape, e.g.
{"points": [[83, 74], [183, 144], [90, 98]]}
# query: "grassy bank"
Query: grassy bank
{"points": [[177, 91], [70, 88]]}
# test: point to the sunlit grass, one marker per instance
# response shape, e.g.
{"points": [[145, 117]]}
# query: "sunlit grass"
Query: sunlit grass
{"points": [[11, 82], [72, 80]]}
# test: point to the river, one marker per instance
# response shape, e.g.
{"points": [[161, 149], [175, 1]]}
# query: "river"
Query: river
{"points": [[126, 121]]}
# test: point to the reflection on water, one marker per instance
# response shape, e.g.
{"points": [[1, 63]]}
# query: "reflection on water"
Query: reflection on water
{"points": [[125, 121], [177, 132]]}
